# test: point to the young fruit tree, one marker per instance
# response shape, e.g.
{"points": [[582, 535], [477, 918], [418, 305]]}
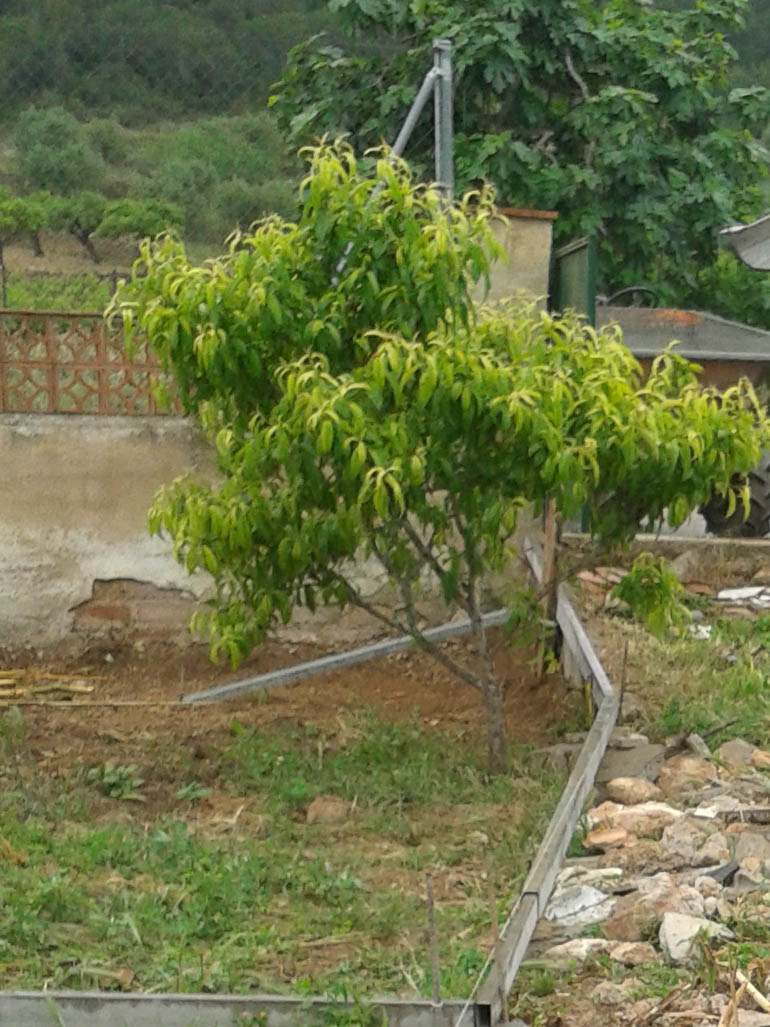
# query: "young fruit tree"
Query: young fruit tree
{"points": [[365, 407]]}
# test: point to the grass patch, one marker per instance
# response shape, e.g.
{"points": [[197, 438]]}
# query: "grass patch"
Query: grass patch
{"points": [[97, 893], [698, 685], [80, 292]]}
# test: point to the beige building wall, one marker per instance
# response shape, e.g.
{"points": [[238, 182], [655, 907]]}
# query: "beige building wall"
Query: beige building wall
{"points": [[525, 236]]}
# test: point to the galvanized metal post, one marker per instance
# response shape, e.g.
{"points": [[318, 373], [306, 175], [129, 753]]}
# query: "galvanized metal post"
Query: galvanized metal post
{"points": [[423, 95], [444, 119]]}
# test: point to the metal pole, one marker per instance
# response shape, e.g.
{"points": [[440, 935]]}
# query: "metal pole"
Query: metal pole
{"points": [[444, 117], [423, 95], [416, 110]]}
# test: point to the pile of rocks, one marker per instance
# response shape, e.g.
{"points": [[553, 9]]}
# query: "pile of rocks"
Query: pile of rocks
{"points": [[679, 848]]}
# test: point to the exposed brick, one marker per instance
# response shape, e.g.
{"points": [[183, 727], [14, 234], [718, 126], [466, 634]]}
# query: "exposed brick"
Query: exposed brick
{"points": [[103, 611]]}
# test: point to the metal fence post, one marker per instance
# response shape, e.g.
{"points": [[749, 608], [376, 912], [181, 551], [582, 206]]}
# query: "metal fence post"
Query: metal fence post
{"points": [[444, 118]]}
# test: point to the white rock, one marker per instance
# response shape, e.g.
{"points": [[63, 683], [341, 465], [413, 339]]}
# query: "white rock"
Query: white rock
{"points": [[678, 932], [700, 632], [578, 905], [608, 994], [683, 839], [713, 807], [600, 874], [578, 950], [713, 851], [738, 595], [632, 790], [633, 953], [707, 886], [753, 1018], [645, 818]]}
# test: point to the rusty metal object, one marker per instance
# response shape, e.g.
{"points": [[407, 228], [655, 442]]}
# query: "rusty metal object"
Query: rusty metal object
{"points": [[54, 362]]}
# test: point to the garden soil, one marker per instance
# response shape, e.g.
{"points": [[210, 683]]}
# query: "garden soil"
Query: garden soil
{"points": [[162, 737]]}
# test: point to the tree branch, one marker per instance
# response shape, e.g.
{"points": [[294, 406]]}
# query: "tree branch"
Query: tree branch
{"points": [[571, 71], [355, 597], [429, 647], [426, 552]]}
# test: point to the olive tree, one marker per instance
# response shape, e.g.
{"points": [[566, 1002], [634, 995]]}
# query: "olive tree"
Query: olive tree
{"points": [[363, 407]]}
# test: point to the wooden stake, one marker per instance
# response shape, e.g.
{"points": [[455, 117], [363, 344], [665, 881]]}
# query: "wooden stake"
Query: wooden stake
{"points": [[433, 941], [550, 580]]}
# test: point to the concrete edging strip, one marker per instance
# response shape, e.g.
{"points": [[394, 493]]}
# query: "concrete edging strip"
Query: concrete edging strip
{"points": [[110, 1009], [537, 887], [324, 664]]}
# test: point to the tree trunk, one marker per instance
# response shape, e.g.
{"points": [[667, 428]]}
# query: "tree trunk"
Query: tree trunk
{"points": [[497, 755], [84, 238], [3, 279], [37, 245]]}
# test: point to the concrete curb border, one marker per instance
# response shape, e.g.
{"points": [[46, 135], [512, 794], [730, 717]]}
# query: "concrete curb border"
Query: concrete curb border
{"points": [[580, 663], [107, 1009]]}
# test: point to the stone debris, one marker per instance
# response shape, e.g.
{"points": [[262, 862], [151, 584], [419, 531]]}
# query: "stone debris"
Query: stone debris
{"points": [[685, 773], [645, 819], [633, 953], [700, 632], [608, 994], [576, 951], [678, 932], [736, 754], [606, 838], [641, 761], [756, 596], [579, 905], [681, 848], [632, 790]]}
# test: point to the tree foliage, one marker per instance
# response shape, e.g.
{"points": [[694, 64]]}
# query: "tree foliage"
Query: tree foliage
{"points": [[365, 253], [369, 409], [144, 59], [53, 151], [617, 114]]}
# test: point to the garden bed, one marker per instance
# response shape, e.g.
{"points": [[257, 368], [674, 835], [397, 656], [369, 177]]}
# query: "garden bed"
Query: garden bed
{"points": [[279, 843]]}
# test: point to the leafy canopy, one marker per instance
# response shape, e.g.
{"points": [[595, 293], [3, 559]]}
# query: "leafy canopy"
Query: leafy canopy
{"points": [[424, 454], [363, 403], [366, 253], [364, 407], [617, 114]]}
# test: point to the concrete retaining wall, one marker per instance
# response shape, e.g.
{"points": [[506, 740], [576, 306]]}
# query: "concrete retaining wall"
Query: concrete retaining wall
{"points": [[74, 546]]}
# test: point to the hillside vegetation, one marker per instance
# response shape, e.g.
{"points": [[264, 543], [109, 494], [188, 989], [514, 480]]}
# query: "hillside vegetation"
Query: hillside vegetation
{"points": [[120, 114]]}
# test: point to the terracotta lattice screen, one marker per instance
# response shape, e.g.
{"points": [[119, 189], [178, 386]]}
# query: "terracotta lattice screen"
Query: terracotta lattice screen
{"points": [[71, 363]]}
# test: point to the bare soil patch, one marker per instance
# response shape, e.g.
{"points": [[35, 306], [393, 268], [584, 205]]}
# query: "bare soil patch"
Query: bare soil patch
{"points": [[163, 738], [63, 255]]}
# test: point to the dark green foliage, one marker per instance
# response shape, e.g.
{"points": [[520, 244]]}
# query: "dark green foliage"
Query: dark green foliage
{"points": [[619, 115], [139, 218], [145, 59], [54, 151]]}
